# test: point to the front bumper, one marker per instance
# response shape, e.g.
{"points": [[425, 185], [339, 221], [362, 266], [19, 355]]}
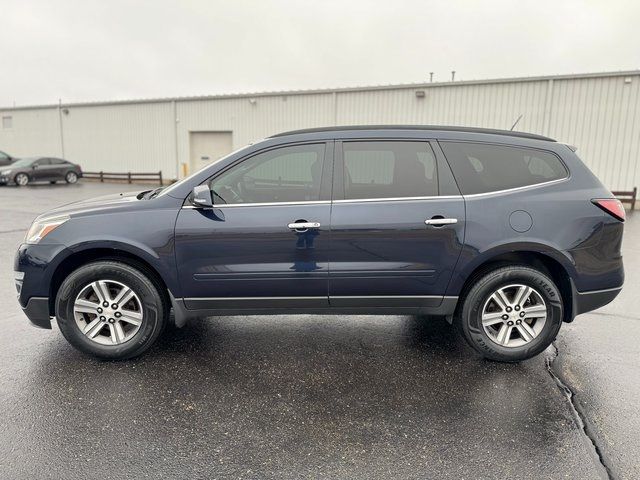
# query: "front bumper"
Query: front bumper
{"points": [[4, 180], [34, 266], [37, 311]]}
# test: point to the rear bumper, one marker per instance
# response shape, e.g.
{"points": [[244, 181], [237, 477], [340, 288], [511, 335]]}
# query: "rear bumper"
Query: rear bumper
{"points": [[37, 311], [587, 301]]}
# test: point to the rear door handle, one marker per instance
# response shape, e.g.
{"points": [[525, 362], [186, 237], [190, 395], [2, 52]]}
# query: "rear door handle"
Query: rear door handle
{"points": [[302, 226], [441, 221]]}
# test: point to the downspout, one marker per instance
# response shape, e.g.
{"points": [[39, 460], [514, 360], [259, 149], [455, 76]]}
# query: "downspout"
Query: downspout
{"points": [[60, 127], [175, 137], [546, 119]]}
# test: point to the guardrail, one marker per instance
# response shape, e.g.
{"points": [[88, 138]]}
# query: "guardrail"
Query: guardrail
{"points": [[627, 197], [129, 177]]}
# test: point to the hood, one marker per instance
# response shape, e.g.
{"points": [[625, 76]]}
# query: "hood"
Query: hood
{"points": [[101, 203]]}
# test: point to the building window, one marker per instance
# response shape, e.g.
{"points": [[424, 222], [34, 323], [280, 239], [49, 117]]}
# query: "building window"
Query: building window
{"points": [[7, 122]]}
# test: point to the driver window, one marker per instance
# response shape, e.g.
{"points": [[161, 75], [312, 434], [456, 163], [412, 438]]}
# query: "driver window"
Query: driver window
{"points": [[286, 174]]}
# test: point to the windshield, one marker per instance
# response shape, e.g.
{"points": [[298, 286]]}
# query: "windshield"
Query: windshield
{"points": [[23, 162], [172, 187]]}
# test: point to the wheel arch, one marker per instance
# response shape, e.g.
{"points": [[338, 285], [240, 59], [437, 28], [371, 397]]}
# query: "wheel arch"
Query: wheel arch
{"points": [[542, 261], [82, 257]]}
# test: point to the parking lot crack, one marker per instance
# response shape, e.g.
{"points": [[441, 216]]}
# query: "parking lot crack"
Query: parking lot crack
{"points": [[579, 415]]}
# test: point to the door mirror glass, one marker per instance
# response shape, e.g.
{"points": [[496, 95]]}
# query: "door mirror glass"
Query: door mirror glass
{"points": [[201, 197]]}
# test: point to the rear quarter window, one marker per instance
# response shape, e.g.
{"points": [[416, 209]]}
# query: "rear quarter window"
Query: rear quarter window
{"points": [[482, 168]]}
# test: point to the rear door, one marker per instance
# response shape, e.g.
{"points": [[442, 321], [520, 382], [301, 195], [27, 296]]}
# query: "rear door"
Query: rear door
{"points": [[397, 224], [59, 168]]}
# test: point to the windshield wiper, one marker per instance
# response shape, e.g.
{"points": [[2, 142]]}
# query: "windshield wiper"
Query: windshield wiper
{"points": [[156, 192], [141, 195]]}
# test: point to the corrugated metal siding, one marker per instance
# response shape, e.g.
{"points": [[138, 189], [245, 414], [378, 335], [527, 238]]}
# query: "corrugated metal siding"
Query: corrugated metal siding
{"points": [[600, 116], [251, 121], [597, 113], [34, 132], [121, 138]]}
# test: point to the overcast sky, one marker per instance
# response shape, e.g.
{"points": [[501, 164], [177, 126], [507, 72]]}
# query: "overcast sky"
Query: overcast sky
{"points": [[113, 49]]}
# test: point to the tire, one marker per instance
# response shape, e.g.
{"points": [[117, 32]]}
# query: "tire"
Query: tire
{"points": [[52, 182], [71, 177], [21, 179], [494, 297], [147, 304]]}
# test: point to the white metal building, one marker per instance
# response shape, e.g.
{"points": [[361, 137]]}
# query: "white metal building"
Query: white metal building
{"points": [[599, 113]]}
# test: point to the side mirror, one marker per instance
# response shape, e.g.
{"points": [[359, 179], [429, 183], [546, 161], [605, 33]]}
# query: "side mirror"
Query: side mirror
{"points": [[201, 197]]}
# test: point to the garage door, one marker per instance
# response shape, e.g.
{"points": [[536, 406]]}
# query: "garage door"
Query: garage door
{"points": [[207, 147]]}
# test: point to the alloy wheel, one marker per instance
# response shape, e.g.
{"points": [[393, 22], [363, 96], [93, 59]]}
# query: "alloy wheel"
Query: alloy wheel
{"points": [[72, 177], [514, 315], [108, 312], [22, 179]]}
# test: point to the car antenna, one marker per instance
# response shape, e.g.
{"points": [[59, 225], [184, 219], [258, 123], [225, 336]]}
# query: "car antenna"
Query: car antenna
{"points": [[516, 122]]}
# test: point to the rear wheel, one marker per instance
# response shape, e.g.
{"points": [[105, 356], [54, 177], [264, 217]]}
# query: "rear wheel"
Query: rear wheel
{"points": [[71, 177], [111, 310], [511, 314], [21, 179]]}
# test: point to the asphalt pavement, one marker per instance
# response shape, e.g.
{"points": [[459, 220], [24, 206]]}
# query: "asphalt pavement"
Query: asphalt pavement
{"points": [[314, 396]]}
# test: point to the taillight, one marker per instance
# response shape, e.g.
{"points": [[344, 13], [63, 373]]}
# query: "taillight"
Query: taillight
{"points": [[612, 206]]}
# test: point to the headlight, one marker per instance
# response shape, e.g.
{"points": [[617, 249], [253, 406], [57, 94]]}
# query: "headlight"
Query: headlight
{"points": [[41, 228], [5, 172]]}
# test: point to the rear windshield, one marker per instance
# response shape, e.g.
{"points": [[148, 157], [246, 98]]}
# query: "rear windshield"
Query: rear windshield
{"points": [[482, 168]]}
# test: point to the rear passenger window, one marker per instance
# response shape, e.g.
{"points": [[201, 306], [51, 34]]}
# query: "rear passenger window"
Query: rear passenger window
{"points": [[482, 168], [389, 170]]}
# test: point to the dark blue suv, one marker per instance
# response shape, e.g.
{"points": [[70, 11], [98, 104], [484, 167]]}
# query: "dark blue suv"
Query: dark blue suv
{"points": [[506, 234]]}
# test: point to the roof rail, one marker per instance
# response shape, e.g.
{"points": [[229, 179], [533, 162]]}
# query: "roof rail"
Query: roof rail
{"points": [[442, 128]]}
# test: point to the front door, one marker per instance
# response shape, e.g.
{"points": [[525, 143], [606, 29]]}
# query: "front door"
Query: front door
{"points": [[266, 242], [42, 170], [395, 240]]}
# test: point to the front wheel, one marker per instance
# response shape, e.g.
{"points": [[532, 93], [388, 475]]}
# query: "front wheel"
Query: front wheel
{"points": [[511, 314], [110, 310], [21, 179], [71, 177]]}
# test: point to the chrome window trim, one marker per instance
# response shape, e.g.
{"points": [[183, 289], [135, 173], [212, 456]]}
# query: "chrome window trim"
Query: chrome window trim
{"points": [[327, 202], [398, 199], [517, 189], [266, 204]]}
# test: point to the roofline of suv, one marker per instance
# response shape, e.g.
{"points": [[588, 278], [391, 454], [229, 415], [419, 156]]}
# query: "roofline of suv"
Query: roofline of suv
{"points": [[440, 128]]}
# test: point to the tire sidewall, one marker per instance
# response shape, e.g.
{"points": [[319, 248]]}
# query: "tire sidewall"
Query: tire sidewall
{"points": [[152, 308], [479, 294]]}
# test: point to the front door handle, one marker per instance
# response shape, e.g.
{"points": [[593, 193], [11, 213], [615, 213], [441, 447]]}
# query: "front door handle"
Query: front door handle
{"points": [[303, 226], [441, 221]]}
